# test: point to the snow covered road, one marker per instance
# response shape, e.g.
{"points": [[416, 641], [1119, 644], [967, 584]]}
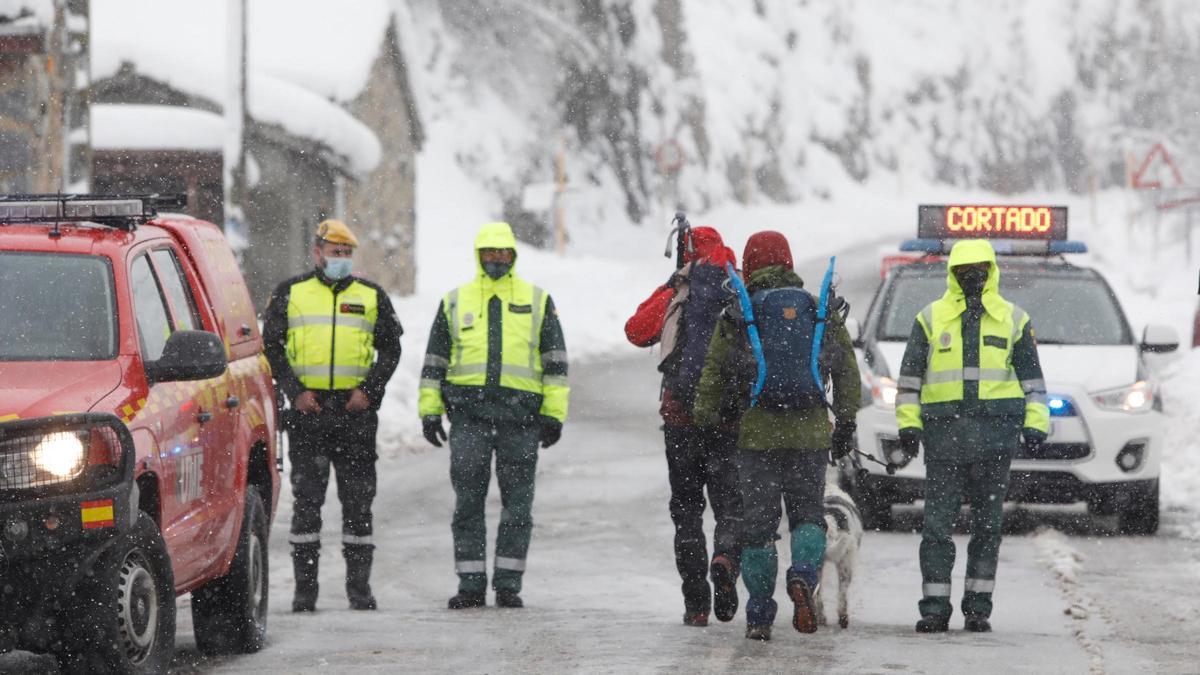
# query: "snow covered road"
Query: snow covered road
{"points": [[602, 593]]}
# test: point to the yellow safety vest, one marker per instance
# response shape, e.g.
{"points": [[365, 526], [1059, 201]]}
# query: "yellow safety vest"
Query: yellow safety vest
{"points": [[945, 374], [331, 337], [524, 307]]}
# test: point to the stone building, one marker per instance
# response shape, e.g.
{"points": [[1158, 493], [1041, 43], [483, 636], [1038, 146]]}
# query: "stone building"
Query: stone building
{"points": [[332, 131]]}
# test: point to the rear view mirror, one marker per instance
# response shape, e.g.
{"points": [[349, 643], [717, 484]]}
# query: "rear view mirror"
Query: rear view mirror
{"points": [[189, 355], [1159, 339]]}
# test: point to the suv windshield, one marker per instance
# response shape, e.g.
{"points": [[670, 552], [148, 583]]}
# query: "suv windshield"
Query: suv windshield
{"points": [[1067, 306], [56, 307]]}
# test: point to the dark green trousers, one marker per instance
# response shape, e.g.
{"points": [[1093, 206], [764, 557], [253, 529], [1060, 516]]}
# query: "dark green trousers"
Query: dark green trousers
{"points": [[473, 443], [984, 485]]}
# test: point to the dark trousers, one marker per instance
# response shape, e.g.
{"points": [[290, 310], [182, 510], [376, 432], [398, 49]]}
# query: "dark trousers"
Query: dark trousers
{"points": [[698, 460], [347, 442], [473, 443], [984, 485], [794, 478]]}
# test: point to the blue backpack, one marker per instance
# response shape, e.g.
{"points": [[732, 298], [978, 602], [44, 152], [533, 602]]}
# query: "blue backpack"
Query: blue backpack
{"points": [[787, 326]]}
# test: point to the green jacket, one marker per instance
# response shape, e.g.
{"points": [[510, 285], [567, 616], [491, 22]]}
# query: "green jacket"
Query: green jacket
{"points": [[973, 429], [761, 429]]}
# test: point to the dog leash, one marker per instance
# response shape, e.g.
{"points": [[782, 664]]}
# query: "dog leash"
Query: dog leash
{"points": [[858, 467]]}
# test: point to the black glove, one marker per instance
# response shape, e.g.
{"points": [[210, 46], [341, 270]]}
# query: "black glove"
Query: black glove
{"points": [[431, 426], [910, 442], [1033, 440], [843, 439], [551, 431]]}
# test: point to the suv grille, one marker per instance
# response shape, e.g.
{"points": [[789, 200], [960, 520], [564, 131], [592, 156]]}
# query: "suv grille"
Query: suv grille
{"points": [[1057, 451]]}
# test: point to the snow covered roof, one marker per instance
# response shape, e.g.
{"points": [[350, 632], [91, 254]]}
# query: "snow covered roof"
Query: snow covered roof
{"points": [[305, 56], [156, 127], [18, 17]]}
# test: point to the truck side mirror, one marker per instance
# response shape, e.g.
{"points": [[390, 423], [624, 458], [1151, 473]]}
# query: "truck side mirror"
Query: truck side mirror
{"points": [[1159, 339], [854, 328], [189, 355]]}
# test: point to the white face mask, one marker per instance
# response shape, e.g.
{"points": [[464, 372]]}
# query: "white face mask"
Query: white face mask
{"points": [[338, 268]]}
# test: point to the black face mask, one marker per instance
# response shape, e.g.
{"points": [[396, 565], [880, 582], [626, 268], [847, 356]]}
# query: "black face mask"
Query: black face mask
{"points": [[971, 280], [496, 270]]}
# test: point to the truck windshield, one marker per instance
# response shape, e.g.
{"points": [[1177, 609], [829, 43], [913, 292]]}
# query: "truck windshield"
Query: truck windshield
{"points": [[1067, 307], [56, 307]]}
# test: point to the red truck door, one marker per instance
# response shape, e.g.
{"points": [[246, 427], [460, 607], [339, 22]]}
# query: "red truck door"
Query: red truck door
{"points": [[188, 423]]}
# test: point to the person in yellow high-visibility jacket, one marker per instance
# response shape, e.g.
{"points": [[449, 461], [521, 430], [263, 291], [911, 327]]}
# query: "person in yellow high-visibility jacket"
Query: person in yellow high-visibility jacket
{"points": [[970, 390], [496, 365], [333, 342]]}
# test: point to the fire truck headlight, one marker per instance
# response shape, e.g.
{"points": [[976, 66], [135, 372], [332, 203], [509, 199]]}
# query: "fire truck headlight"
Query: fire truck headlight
{"points": [[60, 454]]}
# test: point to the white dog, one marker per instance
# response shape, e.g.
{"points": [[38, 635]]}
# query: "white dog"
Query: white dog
{"points": [[842, 537]]}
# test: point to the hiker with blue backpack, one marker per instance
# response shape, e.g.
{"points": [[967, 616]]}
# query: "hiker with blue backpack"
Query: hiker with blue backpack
{"points": [[681, 315], [780, 344]]}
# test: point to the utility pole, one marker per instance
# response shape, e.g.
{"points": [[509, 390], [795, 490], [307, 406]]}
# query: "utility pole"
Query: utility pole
{"points": [[560, 189], [52, 176], [235, 118]]}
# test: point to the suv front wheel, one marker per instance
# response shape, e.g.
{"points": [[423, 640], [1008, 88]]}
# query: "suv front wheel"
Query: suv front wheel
{"points": [[123, 615]]}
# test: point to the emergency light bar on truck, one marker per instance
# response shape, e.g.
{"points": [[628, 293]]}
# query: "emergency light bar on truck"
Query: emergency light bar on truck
{"points": [[121, 211], [1012, 230]]}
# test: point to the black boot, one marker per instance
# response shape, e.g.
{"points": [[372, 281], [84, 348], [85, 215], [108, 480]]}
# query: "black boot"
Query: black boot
{"points": [[724, 574], [933, 623], [977, 623], [465, 600], [509, 599], [305, 558], [358, 575]]}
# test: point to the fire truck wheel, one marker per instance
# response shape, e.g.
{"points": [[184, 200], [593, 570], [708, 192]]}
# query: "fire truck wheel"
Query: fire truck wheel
{"points": [[122, 619], [230, 613]]}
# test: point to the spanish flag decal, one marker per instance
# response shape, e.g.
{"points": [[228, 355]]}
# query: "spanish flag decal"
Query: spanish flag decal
{"points": [[96, 514]]}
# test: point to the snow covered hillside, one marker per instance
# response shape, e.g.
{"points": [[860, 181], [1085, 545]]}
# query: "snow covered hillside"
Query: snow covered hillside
{"points": [[775, 101]]}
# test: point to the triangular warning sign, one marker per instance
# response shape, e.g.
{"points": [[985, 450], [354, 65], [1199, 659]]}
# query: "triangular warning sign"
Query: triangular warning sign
{"points": [[1156, 167]]}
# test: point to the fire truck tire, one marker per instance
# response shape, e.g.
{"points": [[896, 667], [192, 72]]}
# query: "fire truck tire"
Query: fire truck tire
{"points": [[122, 618], [230, 613]]}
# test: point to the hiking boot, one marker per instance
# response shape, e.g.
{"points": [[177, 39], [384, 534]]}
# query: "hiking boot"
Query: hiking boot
{"points": [[800, 590], [509, 599], [466, 600], [698, 619], [724, 577], [760, 631], [977, 623], [933, 623]]}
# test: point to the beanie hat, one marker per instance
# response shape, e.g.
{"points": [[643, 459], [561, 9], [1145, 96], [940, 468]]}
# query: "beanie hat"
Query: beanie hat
{"points": [[766, 249]]}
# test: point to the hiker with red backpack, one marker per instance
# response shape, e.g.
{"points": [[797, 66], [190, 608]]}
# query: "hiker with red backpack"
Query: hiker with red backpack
{"points": [[680, 315], [784, 440]]}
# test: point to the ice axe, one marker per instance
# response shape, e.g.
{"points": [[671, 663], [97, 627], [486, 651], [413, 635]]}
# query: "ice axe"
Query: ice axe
{"points": [[680, 230]]}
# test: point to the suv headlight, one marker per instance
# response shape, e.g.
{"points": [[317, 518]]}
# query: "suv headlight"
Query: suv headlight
{"points": [[1136, 398], [62, 455], [883, 391], [57, 457]]}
